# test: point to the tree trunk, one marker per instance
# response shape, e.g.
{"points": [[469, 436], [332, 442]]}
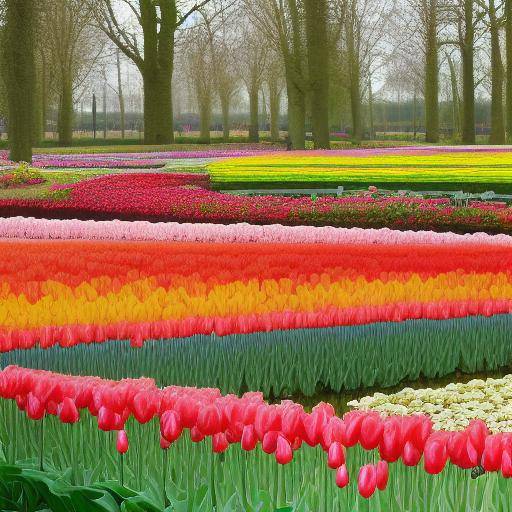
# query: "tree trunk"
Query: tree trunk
{"points": [[414, 109], [318, 63], [205, 114], [296, 116], [20, 76], [354, 74], [225, 107], [468, 75], [370, 108], [497, 118], [431, 74], [254, 128], [105, 119], [120, 96], [274, 101], [508, 28], [158, 115], [66, 113], [455, 98]]}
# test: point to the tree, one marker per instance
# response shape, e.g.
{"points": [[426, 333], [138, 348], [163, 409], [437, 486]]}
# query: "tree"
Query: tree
{"points": [[158, 22], [200, 72], [253, 63], [316, 12], [466, 38], [497, 72], [282, 23], [508, 44], [20, 75], [223, 56], [274, 82], [73, 51]]}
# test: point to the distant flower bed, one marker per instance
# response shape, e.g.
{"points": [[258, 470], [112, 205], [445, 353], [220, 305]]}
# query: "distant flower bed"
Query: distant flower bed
{"points": [[185, 197], [416, 168], [20, 176]]}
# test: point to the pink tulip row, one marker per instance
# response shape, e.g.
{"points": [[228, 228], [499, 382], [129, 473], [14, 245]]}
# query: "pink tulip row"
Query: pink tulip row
{"points": [[44, 229], [280, 429]]}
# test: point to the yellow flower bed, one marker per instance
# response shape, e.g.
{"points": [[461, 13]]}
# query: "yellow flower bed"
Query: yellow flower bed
{"points": [[489, 167]]}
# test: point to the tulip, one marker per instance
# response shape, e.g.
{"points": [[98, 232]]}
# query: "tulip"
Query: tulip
{"points": [[219, 443], [249, 438], [122, 442], [170, 426], [209, 420], [506, 464], [382, 475], [411, 455], [68, 413], [196, 436], [336, 455], [342, 478], [269, 443], [353, 421], [371, 432], [390, 448], [491, 458], [164, 444], [367, 480], [435, 456], [34, 408], [283, 453]]}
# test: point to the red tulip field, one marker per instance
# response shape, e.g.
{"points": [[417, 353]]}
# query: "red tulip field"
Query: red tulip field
{"points": [[160, 353]]}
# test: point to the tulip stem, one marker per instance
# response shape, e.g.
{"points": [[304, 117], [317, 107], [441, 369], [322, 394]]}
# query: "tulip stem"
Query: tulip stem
{"points": [[41, 445], [121, 469], [164, 475]]}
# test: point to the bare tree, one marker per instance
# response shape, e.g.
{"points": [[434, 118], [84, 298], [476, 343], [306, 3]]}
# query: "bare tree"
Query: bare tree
{"points": [[157, 22], [74, 50]]}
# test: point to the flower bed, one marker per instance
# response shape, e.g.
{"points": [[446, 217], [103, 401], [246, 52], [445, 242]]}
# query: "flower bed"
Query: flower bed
{"points": [[186, 198], [451, 407], [425, 169], [281, 430]]}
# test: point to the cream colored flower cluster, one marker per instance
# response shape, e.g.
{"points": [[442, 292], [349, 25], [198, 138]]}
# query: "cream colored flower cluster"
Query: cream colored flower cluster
{"points": [[451, 407]]}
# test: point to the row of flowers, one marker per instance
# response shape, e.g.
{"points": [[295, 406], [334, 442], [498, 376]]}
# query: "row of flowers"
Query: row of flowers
{"points": [[133, 160], [451, 407], [367, 167], [55, 229], [186, 198], [72, 292], [280, 429]]}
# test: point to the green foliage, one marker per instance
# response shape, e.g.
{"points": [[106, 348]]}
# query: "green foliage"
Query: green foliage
{"points": [[298, 361], [23, 173]]}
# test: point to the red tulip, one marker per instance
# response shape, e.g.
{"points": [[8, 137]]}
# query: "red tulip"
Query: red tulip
{"points": [[269, 443], [435, 456], [34, 408], [219, 443], [187, 409], [249, 438], [209, 420], [284, 453], [367, 481], [491, 458], [336, 456], [342, 478], [122, 442], [390, 448], [506, 465], [196, 436], [145, 406], [371, 431], [478, 433], [382, 475], [170, 426], [353, 421], [164, 444], [411, 455], [106, 419], [68, 413]]}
